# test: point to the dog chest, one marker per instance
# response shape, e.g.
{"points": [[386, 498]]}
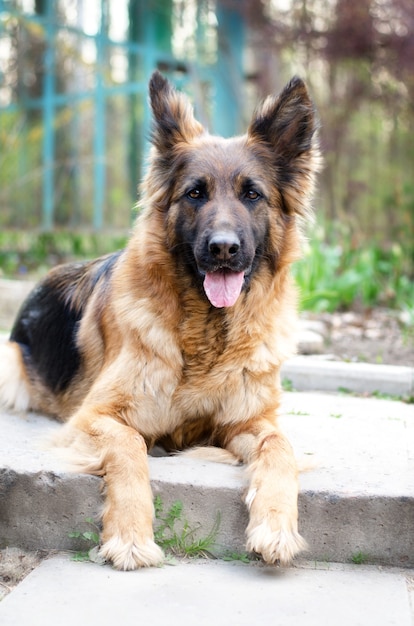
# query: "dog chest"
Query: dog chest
{"points": [[230, 391]]}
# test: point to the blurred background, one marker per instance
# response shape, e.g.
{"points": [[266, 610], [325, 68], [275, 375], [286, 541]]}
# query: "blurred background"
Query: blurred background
{"points": [[74, 123]]}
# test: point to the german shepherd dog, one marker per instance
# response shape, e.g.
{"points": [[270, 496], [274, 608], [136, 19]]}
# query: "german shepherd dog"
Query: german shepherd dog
{"points": [[178, 339]]}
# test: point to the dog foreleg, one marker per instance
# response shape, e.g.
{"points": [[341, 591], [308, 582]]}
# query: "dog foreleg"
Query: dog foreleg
{"points": [[119, 454], [272, 494]]}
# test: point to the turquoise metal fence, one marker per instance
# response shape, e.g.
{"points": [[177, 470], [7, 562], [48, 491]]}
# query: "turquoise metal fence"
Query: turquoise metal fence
{"points": [[73, 115]]}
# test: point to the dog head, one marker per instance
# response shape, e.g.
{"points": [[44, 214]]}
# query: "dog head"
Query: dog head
{"points": [[231, 205]]}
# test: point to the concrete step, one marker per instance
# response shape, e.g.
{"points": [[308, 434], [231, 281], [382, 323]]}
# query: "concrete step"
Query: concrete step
{"points": [[357, 504], [309, 373], [201, 592]]}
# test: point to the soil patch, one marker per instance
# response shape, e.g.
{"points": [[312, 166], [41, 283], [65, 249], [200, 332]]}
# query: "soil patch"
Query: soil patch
{"points": [[378, 336], [16, 564]]}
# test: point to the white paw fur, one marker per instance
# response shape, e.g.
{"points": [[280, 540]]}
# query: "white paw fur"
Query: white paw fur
{"points": [[251, 494], [274, 545], [129, 555]]}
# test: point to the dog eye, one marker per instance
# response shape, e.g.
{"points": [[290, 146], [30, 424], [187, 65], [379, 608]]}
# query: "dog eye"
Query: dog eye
{"points": [[195, 194], [252, 194]]}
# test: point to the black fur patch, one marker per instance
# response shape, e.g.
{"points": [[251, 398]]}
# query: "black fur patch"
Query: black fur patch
{"points": [[47, 324]]}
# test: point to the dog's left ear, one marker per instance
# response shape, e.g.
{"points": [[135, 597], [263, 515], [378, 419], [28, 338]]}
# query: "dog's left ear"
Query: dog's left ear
{"points": [[173, 118], [287, 125], [287, 121]]}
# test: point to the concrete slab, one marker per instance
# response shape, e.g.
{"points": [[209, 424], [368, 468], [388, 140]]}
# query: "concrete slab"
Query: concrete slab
{"points": [[358, 501], [63, 592], [308, 373]]}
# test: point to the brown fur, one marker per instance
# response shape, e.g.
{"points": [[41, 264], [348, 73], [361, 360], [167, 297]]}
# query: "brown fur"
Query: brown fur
{"points": [[158, 362]]}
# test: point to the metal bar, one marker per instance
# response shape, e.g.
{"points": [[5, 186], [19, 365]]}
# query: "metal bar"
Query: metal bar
{"points": [[99, 145], [150, 59], [229, 70], [63, 99], [48, 120], [73, 30]]}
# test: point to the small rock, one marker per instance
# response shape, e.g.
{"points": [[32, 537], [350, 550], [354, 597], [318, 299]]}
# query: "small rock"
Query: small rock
{"points": [[317, 326], [310, 342], [373, 333]]}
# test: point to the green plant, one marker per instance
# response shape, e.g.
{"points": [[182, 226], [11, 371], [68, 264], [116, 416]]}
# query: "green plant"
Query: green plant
{"points": [[89, 537], [287, 384], [339, 275], [408, 399], [243, 557], [345, 391], [28, 253], [175, 536], [359, 558]]}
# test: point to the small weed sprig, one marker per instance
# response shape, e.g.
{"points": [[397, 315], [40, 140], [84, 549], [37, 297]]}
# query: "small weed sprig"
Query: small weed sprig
{"points": [[379, 395], [91, 554], [359, 558], [181, 542], [242, 557], [287, 385]]}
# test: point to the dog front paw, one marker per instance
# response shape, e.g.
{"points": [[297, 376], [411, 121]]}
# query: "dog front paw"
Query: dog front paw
{"points": [[131, 554], [275, 545]]}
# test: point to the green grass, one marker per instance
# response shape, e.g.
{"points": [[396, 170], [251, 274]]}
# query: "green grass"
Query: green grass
{"points": [[339, 275], [359, 558], [287, 385], [176, 537], [91, 539], [31, 253], [408, 399], [242, 557]]}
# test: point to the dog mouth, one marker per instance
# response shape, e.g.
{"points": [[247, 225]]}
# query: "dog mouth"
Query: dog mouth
{"points": [[223, 286]]}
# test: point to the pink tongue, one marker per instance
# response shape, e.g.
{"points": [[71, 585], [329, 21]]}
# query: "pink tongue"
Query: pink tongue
{"points": [[223, 287]]}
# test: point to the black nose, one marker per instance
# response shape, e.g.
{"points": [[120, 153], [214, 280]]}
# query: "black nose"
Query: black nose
{"points": [[223, 245]]}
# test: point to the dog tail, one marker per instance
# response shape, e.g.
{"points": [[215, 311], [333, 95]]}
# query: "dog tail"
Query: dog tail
{"points": [[211, 453], [14, 384], [220, 455]]}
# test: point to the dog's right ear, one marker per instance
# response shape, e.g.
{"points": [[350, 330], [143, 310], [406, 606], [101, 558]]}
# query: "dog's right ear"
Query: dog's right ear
{"points": [[173, 117]]}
